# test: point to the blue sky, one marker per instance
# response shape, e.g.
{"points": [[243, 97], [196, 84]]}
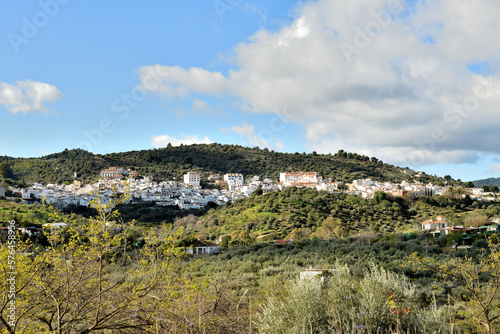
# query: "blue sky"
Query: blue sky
{"points": [[292, 76]]}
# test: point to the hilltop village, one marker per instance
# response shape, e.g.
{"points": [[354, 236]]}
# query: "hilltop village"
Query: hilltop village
{"points": [[219, 189]]}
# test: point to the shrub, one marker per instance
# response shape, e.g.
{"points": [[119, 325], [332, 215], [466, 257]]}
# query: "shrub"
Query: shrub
{"points": [[303, 310], [379, 302]]}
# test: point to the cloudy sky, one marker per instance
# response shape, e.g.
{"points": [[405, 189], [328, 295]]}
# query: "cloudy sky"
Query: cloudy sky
{"points": [[414, 83]]}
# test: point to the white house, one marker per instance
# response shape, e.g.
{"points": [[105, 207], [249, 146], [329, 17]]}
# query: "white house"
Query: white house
{"points": [[291, 179], [330, 186], [255, 179], [54, 225], [111, 172], [25, 193], [365, 182], [440, 222], [202, 247], [30, 230], [192, 178], [234, 181], [478, 191]]}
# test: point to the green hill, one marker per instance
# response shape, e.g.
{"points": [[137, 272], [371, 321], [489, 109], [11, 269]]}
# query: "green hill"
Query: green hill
{"points": [[172, 162], [299, 212], [492, 181]]}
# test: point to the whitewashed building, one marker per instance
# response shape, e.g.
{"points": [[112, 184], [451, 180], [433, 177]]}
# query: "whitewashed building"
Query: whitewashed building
{"points": [[192, 178], [202, 247], [299, 177], [234, 181], [439, 223]]}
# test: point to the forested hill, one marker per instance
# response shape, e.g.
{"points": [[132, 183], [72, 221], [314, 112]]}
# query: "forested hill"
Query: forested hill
{"points": [[300, 212], [172, 162], [493, 181]]}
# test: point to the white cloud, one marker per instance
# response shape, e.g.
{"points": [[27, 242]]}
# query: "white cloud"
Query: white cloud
{"points": [[27, 96], [248, 132], [173, 81], [495, 168], [278, 144], [298, 30], [179, 112], [201, 106], [164, 140], [406, 95]]}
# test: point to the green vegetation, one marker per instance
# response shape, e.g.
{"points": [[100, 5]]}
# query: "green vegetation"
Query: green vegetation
{"points": [[379, 301], [4, 170], [30, 215], [477, 279], [492, 188], [139, 278], [172, 162], [310, 213], [126, 271], [492, 181], [90, 279]]}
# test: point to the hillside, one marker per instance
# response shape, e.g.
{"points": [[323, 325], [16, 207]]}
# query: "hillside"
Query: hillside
{"points": [[492, 181], [172, 162], [299, 212], [260, 270]]}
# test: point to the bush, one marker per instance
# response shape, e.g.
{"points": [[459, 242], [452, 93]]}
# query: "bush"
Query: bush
{"points": [[379, 302], [303, 310], [442, 241]]}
